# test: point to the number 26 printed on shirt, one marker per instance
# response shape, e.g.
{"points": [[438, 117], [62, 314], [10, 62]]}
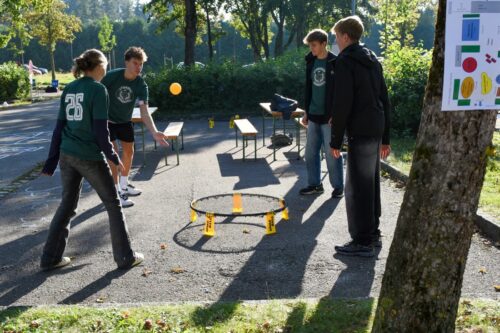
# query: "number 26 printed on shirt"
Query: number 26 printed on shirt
{"points": [[74, 103]]}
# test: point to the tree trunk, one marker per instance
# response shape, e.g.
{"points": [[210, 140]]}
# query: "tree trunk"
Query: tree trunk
{"points": [[209, 34], [53, 64], [279, 20], [265, 37], [190, 32], [424, 271]]}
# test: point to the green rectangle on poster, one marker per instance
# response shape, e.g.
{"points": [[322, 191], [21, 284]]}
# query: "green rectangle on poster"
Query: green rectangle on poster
{"points": [[464, 102], [497, 101], [470, 15], [471, 48], [456, 88]]}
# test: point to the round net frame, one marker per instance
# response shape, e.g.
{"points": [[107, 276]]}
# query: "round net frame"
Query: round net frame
{"points": [[238, 204]]}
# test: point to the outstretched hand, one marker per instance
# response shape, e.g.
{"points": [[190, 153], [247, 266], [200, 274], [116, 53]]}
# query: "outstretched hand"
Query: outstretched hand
{"points": [[161, 138]]}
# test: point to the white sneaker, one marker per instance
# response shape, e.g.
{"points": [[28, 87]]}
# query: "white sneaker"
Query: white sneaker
{"points": [[125, 200], [131, 191], [64, 262]]}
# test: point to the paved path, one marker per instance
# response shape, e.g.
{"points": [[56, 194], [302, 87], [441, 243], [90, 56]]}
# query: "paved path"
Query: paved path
{"points": [[296, 262]]}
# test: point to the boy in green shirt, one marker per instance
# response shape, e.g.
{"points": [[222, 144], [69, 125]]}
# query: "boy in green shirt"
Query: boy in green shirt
{"points": [[125, 86]]}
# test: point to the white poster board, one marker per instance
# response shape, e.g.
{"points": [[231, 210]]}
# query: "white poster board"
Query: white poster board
{"points": [[472, 56]]}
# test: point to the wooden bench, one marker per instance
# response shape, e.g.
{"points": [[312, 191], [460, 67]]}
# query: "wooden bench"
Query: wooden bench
{"points": [[172, 132], [247, 130]]}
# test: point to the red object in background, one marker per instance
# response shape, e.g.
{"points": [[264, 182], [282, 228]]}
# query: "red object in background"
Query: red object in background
{"points": [[469, 65]]}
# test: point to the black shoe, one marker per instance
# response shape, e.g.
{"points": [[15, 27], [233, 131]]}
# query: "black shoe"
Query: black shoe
{"points": [[337, 193], [136, 260], [354, 249], [312, 190]]}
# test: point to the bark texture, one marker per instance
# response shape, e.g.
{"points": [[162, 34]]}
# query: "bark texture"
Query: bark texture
{"points": [[424, 272]]}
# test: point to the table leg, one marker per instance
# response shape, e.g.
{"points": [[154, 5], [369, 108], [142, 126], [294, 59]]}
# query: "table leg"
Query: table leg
{"points": [[177, 149], [298, 139], [236, 135], [243, 142], [255, 148], [143, 145], [263, 129], [274, 134], [182, 138]]}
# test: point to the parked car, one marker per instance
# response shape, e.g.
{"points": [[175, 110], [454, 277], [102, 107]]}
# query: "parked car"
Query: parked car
{"points": [[37, 70], [197, 64]]}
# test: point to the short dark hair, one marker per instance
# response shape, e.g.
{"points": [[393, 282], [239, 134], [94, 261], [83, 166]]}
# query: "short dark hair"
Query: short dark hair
{"points": [[351, 25], [137, 53], [316, 35]]}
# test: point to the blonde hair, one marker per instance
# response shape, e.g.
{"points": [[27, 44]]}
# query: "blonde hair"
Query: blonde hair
{"points": [[316, 35], [87, 61], [351, 25], [137, 53]]}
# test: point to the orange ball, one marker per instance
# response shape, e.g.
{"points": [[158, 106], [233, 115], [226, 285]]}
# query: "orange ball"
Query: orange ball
{"points": [[175, 88]]}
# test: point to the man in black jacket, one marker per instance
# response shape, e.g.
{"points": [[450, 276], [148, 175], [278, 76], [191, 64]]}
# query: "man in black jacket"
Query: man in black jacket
{"points": [[318, 117], [360, 108]]}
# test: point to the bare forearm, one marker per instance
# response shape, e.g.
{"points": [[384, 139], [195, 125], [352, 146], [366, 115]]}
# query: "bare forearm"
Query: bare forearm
{"points": [[148, 120]]}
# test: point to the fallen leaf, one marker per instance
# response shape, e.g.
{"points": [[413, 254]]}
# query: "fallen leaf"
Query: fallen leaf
{"points": [[100, 299], [266, 325], [160, 323], [146, 272], [177, 270], [163, 246], [148, 324], [497, 287], [125, 314], [34, 324], [246, 231], [482, 270]]}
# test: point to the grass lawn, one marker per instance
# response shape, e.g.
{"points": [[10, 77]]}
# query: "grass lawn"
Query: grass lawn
{"points": [[45, 80], [325, 315], [401, 158]]}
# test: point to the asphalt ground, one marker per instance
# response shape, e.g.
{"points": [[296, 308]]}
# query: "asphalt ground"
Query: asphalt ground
{"points": [[240, 262]]}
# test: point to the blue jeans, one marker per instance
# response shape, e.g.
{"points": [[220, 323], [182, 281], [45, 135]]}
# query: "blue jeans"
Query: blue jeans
{"points": [[319, 135], [98, 174]]}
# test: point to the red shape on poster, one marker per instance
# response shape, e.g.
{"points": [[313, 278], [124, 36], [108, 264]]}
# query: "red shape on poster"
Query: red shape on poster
{"points": [[469, 65]]}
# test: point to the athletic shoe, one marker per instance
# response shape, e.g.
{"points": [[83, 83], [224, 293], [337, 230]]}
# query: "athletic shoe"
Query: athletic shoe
{"points": [[131, 191], [137, 260], [337, 193], [124, 200], [64, 262], [354, 249], [312, 190]]}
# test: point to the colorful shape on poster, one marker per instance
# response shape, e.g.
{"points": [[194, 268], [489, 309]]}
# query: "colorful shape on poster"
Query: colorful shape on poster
{"points": [[456, 88], [470, 30], [486, 84], [471, 48], [469, 65], [467, 87], [498, 92], [464, 102], [498, 78]]}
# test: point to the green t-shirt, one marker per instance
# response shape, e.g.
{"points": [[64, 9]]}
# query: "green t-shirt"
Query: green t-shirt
{"points": [[318, 76], [123, 94], [82, 101]]}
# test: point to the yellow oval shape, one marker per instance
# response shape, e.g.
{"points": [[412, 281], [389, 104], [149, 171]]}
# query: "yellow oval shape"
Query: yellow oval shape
{"points": [[467, 87], [486, 84]]}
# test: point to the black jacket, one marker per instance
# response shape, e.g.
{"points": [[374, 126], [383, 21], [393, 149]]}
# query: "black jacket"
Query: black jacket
{"points": [[360, 103], [329, 87]]}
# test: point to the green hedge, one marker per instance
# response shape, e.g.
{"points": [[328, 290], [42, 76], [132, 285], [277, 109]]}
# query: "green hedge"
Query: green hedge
{"points": [[14, 82], [228, 87], [406, 72], [231, 88]]}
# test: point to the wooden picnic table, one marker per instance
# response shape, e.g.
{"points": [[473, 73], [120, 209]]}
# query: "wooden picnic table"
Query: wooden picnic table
{"points": [[137, 119], [275, 115]]}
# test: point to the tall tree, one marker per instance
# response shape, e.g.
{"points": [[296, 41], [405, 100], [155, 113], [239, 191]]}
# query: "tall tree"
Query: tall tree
{"points": [[13, 18], [190, 32], [424, 271], [252, 19], [106, 37], [50, 24]]}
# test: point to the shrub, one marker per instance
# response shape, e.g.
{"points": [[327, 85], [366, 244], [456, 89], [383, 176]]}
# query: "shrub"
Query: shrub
{"points": [[228, 87], [14, 82], [406, 71]]}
